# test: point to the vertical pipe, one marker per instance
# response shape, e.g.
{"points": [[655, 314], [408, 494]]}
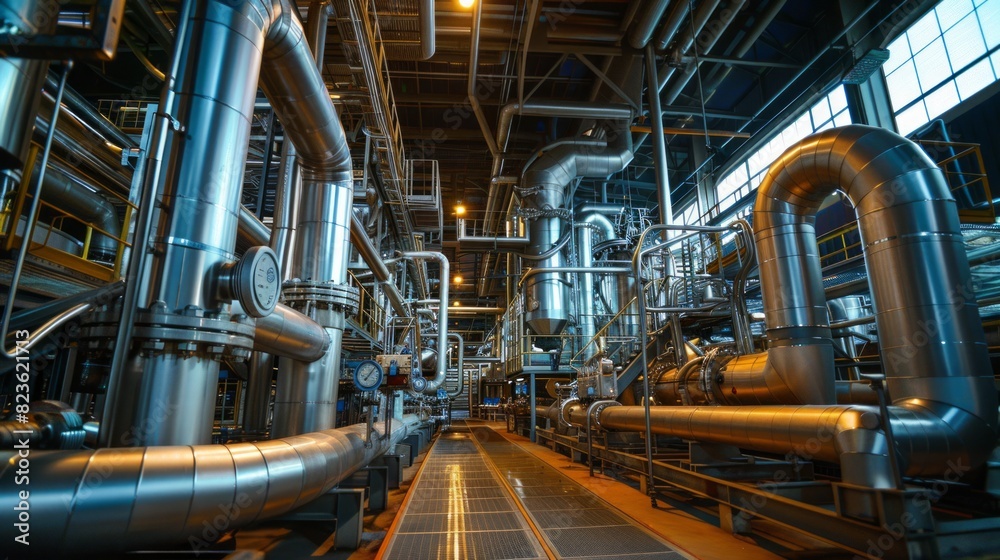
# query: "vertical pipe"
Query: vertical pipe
{"points": [[175, 381], [659, 140], [21, 79]]}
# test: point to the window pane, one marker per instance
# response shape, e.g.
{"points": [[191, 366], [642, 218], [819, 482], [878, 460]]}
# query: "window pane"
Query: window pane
{"points": [[964, 42], [910, 119], [842, 119], [820, 113], [899, 52], [950, 11], [903, 85], [974, 79], [941, 100], [989, 20], [838, 99], [923, 32], [932, 65]]}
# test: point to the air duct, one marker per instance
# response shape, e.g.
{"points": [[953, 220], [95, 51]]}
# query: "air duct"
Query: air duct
{"points": [[936, 362], [544, 185], [590, 222], [115, 500]]}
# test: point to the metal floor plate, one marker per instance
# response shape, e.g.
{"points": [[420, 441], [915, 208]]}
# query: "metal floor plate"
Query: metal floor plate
{"points": [[575, 523], [459, 509]]}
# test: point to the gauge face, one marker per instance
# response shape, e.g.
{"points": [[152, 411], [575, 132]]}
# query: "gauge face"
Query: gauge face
{"points": [[418, 383], [368, 375], [266, 285]]}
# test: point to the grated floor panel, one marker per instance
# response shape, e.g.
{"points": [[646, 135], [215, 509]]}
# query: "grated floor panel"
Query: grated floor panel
{"points": [[459, 508]]}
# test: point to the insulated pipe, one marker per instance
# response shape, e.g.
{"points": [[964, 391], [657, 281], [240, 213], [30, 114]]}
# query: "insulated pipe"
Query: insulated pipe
{"points": [[288, 333], [252, 230], [706, 42], [21, 79], [642, 30], [673, 24], [116, 500], [204, 179], [687, 38], [441, 372], [371, 256], [937, 368], [659, 140], [282, 240], [427, 29], [546, 179], [473, 95], [588, 223], [306, 393], [67, 193]]}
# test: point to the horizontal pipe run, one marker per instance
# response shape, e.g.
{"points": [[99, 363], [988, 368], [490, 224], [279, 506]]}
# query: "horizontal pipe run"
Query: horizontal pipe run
{"points": [[122, 499], [287, 333]]}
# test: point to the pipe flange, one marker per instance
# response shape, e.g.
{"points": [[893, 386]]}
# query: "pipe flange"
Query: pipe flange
{"points": [[714, 360], [343, 297], [193, 332], [597, 408], [563, 419]]}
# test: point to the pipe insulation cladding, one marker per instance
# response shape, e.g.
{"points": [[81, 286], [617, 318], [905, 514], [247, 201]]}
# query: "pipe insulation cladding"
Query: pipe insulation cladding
{"points": [[87, 503], [938, 375]]}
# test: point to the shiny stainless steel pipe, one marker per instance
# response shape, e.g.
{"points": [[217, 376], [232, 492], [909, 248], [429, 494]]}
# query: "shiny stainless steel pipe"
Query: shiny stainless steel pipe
{"points": [[441, 372], [114, 500], [589, 223], [21, 79], [546, 179], [944, 409]]}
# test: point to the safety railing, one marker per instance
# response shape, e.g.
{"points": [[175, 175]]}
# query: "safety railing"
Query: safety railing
{"points": [[371, 316], [65, 239]]}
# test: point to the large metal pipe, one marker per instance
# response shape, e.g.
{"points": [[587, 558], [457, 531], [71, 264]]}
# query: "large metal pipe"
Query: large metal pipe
{"points": [[115, 500], [306, 394], [428, 29], [642, 30], [21, 78], [204, 178], [546, 179], [371, 257], [659, 140], [65, 192], [589, 223], [441, 373], [936, 361], [288, 333]]}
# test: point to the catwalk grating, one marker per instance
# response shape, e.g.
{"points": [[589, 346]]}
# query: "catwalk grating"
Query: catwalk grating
{"points": [[575, 523], [459, 508]]}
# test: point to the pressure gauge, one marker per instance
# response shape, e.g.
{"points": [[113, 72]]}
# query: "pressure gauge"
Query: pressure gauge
{"points": [[255, 281], [418, 383], [368, 375]]}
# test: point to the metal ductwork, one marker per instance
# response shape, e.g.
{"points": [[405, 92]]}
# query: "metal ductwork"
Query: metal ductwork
{"points": [[642, 30], [21, 80], [936, 362], [544, 189], [115, 500]]}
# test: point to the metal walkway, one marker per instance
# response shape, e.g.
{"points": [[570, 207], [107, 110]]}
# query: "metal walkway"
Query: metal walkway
{"points": [[459, 508]]}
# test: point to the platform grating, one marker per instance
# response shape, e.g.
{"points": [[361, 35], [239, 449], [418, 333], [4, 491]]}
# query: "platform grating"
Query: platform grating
{"points": [[575, 523], [458, 508]]}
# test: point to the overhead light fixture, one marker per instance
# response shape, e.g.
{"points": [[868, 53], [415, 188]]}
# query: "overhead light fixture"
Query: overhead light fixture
{"points": [[456, 303], [466, 3], [866, 66], [334, 96], [459, 209], [458, 279]]}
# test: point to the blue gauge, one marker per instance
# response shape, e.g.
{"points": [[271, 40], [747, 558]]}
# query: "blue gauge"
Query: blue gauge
{"points": [[368, 375]]}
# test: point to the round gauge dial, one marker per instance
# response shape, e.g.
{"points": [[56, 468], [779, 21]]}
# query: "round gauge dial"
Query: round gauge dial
{"points": [[418, 383], [368, 375]]}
